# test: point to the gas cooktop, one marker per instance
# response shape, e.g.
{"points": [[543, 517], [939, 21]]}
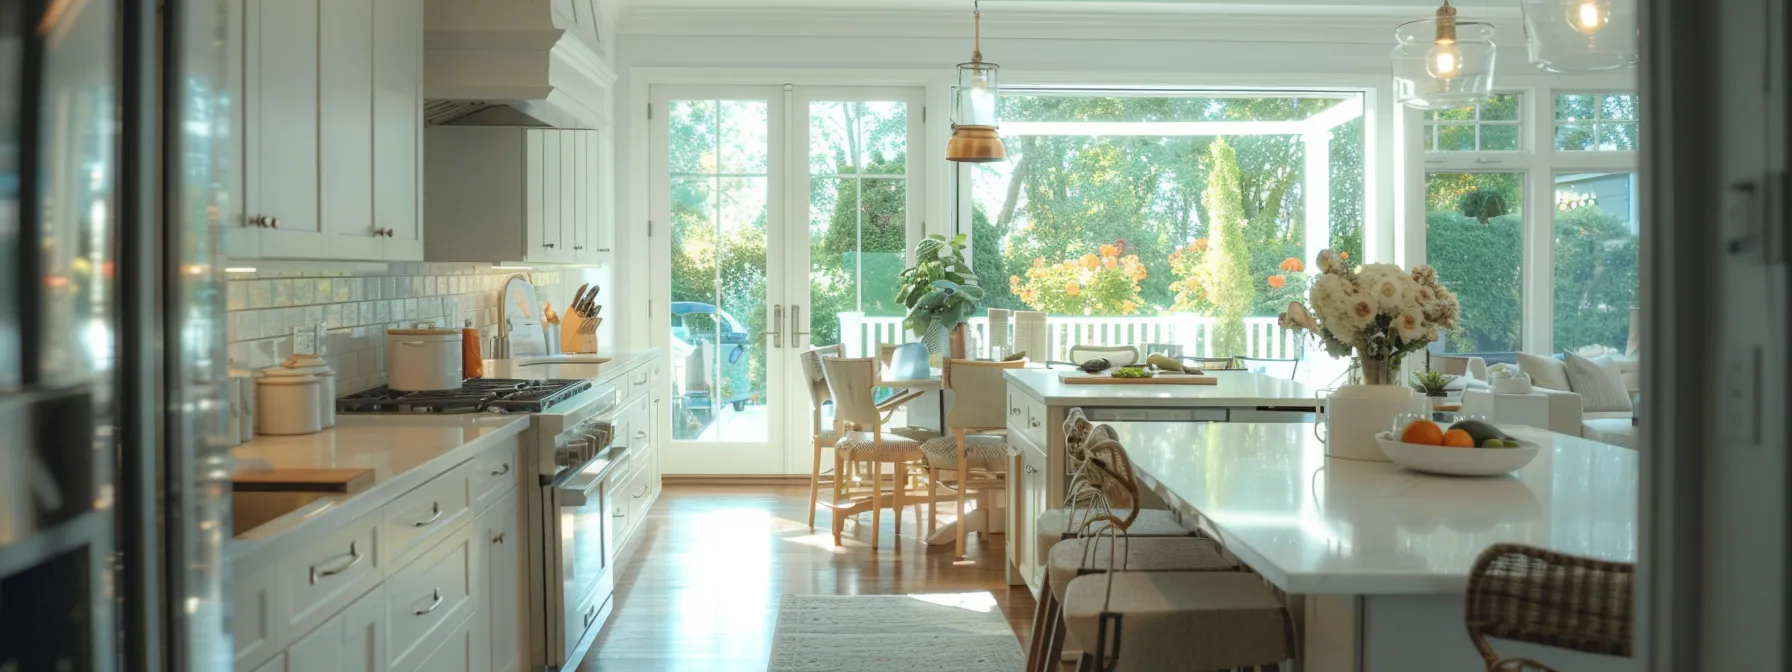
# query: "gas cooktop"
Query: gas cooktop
{"points": [[494, 395]]}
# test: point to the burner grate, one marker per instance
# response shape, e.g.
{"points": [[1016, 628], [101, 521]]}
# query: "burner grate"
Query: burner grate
{"points": [[477, 394]]}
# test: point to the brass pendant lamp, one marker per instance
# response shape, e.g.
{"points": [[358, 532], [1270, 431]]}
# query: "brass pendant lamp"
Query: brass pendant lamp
{"points": [[974, 136]]}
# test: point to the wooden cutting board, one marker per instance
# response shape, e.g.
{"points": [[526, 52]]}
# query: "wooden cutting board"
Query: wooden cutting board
{"points": [[1161, 379], [344, 481]]}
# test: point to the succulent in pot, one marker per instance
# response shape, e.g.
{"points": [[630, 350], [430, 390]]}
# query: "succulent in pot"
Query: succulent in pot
{"points": [[1432, 383]]}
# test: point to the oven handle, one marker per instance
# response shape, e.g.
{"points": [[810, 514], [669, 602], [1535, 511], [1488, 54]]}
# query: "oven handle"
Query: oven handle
{"points": [[579, 490]]}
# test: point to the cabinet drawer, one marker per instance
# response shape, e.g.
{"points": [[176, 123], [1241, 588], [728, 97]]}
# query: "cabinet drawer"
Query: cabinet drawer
{"points": [[638, 493], [616, 490], [1033, 413], [638, 380], [493, 474], [428, 597], [425, 513], [253, 605], [640, 457], [324, 577]]}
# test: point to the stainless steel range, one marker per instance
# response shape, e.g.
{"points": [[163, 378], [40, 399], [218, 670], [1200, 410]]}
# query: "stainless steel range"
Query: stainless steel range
{"points": [[573, 423]]}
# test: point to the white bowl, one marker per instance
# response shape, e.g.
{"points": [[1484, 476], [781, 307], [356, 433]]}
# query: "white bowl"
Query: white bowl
{"points": [[1457, 461], [1519, 385]]}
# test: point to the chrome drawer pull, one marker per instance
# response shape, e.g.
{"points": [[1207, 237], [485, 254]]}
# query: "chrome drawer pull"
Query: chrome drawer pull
{"points": [[642, 493], [1034, 423], [354, 559], [641, 435], [498, 539], [502, 469], [433, 506], [437, 593]]}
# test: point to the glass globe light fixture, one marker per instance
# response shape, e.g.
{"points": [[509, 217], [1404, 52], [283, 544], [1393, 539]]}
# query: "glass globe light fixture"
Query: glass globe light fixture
{"points": [[974, 136], [1442, 62], [1581, 35]]}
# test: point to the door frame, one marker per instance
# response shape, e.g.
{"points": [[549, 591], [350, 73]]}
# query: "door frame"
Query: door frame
{"points": [[732, 457], [798, 414]]}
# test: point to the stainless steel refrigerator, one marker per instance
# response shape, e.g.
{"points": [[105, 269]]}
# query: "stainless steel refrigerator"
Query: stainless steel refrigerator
{"points": [[114, 509]]}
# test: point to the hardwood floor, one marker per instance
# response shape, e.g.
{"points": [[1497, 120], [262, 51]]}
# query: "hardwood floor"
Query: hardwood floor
{"points": [[699, 590]]}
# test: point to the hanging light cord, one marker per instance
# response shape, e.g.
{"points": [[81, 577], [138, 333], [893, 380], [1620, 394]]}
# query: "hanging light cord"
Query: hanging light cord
{"points": [[976, 31]]}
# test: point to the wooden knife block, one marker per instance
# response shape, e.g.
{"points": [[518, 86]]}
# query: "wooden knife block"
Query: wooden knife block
{"points": [[578, 335]]}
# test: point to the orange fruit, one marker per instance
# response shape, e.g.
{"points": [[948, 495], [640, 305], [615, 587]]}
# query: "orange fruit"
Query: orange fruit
{"points": [[1457, 438], [1423, 432]]}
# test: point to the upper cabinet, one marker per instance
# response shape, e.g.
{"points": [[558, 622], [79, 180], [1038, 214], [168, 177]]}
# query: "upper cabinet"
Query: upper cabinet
{"points": [[332, 119], [502, 194]]}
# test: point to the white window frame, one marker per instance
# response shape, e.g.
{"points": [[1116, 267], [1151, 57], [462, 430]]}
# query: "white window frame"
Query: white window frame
{"points": [[1596, 122], [1538, 161], [1430, 128]]}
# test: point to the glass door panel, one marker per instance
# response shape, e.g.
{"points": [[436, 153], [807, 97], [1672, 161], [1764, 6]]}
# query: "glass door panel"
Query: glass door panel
{"points": [[721, 339]]}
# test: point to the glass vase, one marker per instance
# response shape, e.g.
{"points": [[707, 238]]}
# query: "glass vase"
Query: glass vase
{"points": [[1375, 371]]}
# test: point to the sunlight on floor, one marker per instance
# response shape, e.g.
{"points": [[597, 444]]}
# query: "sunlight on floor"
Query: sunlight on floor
{"points": [[980, 601]]}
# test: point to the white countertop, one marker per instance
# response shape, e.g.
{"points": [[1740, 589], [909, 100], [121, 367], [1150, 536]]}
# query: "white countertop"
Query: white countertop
{"points": [[568, 366], [400, 449], [1313, 525], [1236, 389]]}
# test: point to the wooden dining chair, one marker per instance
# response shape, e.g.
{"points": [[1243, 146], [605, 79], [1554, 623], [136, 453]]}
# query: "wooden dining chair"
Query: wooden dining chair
{"points": [[1170, 350], [975, 452], [1527, 594], [852, 382], [1279, 368], [825, 431]]}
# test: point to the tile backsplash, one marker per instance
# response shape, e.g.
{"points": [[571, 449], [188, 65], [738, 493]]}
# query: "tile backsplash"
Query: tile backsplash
{"points": [[358, 306]]}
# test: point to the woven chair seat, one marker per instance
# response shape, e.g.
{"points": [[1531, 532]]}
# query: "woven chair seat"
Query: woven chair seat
{"points": [[982, 451], [1528, 594], [897, 441], [1181, 620], [1072, 558]]}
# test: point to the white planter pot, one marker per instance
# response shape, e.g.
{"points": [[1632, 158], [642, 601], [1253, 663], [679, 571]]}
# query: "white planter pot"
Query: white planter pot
{"points": [[1354, 414]]}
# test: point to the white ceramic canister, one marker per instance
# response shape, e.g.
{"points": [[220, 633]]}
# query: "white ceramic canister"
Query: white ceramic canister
{"points": [[423, 359], [312, 365], [1354, 414], [286, 405]]}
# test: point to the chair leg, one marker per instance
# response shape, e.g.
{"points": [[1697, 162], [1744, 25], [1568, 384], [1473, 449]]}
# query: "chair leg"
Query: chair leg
{"points": [[901, 469], [933, 492], [877, 502], [1054, 639], [1044, 613], [964, 478], [815, 481], [839, 522]]}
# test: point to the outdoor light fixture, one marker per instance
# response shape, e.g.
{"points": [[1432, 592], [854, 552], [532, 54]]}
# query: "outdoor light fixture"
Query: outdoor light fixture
{"points": [[1442, 62], [1596, 35], [974, 137]]}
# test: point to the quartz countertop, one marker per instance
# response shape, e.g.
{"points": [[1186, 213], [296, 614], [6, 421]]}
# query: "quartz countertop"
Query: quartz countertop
{"points": [[1235, 389], [404, 451], [569, 366], [1320, 526]]}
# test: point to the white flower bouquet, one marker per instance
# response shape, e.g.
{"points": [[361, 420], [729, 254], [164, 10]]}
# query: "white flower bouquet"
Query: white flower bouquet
{"points": [[1377, 314]]}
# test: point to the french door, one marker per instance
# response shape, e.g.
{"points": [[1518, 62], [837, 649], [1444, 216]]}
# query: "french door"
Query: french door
{"points": [[784, 207]]}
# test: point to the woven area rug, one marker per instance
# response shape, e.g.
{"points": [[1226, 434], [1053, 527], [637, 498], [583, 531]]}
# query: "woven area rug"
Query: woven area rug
{"points": [[963, 632]]}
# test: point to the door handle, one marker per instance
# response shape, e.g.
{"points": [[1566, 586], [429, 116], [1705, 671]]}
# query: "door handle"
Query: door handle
{"points": [[796, 324], [777, 332]]}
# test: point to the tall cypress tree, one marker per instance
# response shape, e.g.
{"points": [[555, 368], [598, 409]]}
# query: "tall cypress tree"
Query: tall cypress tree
{"points": [[1227, 272]]}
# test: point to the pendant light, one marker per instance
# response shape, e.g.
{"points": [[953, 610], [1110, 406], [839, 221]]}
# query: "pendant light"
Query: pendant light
{"points": [[974, 137], [1443, 62], [1581, 35]]}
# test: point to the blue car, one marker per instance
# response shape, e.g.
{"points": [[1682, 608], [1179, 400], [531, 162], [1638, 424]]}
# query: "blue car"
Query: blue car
{"points": [[717, 341]]}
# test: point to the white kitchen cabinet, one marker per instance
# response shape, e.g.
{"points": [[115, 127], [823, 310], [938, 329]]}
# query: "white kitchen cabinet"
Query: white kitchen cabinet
{"points": [[504, 598], [460, 651], [1027, 499], [281, 102], [333, 95], [254, 604], [352, 641], [428, 601], [275, 664], [513, 194]]}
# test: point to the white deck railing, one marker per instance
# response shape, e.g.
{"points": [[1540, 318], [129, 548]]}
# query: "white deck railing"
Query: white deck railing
{"points": [[861, 334]]}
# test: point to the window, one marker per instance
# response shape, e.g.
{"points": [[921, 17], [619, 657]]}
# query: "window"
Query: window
{"points": [[1474, 237], [1595, 122], [1108, 201], [1493, 126], [1595, 259]]}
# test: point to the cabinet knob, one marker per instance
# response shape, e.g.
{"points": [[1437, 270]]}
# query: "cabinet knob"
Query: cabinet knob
{"points": [[547, 244], [498, 539], [578, 247], [274, 222]]}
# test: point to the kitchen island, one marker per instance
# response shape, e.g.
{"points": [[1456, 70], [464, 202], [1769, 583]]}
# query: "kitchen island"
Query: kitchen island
{"points": [[1375, 558], [1039, 399]]}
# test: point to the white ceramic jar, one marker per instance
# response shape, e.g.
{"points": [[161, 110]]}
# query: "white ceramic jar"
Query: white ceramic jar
{"points": [[286, 405], [312, 365], [422, 359]]}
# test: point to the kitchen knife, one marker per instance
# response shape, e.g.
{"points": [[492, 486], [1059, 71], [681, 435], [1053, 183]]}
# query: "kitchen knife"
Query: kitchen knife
{"points": [[578, 295]]}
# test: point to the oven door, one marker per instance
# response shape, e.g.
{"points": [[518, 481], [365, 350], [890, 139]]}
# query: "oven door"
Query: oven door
{"points": [[583, 520]]}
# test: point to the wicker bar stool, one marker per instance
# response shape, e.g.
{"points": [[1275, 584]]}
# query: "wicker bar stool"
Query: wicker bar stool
{"points": [[1153, 621], [1528, 594]]}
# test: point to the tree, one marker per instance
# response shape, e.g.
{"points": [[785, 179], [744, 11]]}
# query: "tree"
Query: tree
{"points": [[1480, 263], [1595, 278], [1227, 268]]}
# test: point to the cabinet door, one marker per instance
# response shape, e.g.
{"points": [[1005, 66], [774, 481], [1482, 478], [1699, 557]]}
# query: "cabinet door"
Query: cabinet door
{"points": [[553, 216], [345, 126], [504, 586], [277, 664], [535, 199], [602, 166], [281, 146], [351, 641], [398, 127], [1033, 459], [578, 226], [569, 194], [459, 652]]}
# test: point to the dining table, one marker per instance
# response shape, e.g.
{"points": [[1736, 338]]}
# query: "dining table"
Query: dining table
{"points": [[1374, 557], [927, 401]]}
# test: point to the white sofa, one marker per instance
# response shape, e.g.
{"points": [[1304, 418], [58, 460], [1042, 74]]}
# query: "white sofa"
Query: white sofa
{"points": [[1567, 415]]}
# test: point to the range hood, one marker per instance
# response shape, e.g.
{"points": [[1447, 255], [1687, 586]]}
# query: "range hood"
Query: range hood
{"points": [[515, 63]]}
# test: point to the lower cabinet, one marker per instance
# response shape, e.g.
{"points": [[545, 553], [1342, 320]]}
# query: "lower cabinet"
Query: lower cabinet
{"points": [[434, 593], [504, 598], [1026, 499], [460, 650], [351, 641], [275, 664]]}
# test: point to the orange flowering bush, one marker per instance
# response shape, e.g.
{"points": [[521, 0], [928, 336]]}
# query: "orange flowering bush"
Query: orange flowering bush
{"points": [[1293, 265], [1191, 296], [1106, 283], [1278, 281]]}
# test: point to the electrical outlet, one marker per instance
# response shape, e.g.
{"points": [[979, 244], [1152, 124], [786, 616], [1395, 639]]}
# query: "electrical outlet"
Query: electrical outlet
{"points": [[1742, 396]]}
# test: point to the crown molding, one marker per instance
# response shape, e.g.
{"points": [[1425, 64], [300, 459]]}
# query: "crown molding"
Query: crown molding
{"points": [[1210, 23]]}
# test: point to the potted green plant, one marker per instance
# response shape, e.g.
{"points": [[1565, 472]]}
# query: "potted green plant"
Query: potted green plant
{"points": [[1483, 204], [1432, 384], [936, 310]]}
